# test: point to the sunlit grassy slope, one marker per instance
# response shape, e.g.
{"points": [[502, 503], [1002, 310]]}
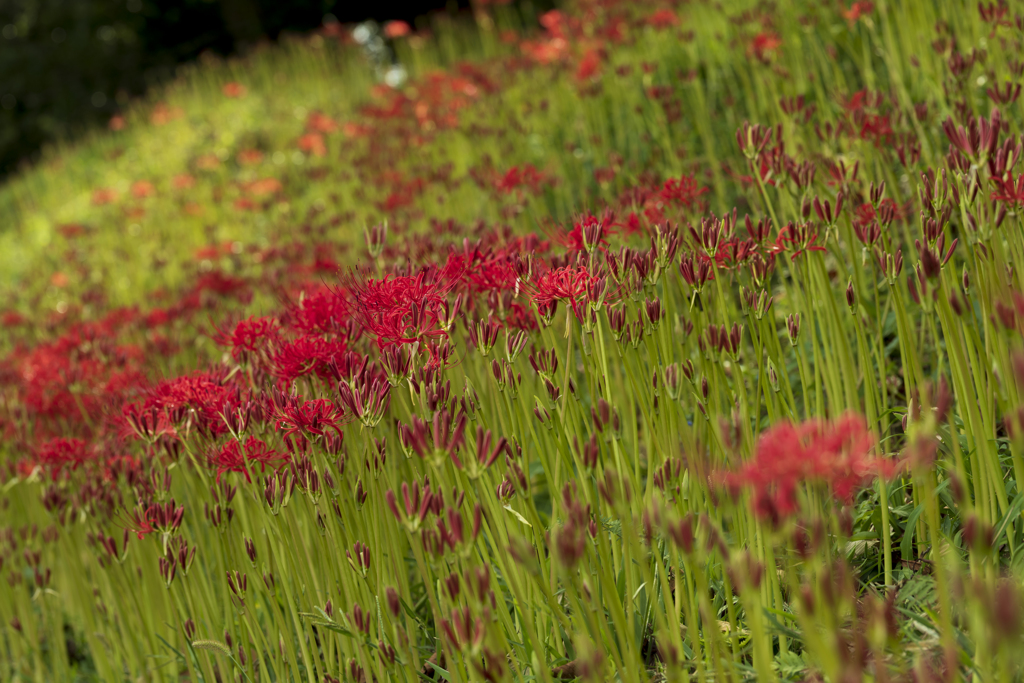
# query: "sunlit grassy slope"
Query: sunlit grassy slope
{"points": [[662, 101]]}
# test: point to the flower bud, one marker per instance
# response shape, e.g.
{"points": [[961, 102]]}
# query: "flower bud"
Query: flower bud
{"points": [[394, 602]]}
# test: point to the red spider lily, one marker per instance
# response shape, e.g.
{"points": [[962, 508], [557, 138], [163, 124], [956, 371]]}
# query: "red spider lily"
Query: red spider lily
{"points": [[249, 336], [765, 45], [142, 189], [526, 175], [1009, 190], [322, 312], [104, 196], [663, 18], [63, 379], [313, 143], [589, 66], [308, 354], [234, 89], [857, 10], [396, 29], [202, 394], [164, 518], [321, 123], [590, 232], [569, 283], [836, 454], [312, 418], [682, 191], [58, 453], [800, 238], [407, 309], [232, 457]]}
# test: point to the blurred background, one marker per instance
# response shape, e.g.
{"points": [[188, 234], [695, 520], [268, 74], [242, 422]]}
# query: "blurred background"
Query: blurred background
{"points": [[69, 65]]}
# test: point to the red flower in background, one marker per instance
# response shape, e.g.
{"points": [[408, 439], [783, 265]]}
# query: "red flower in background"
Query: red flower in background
{"points": [[589, 66], [519, 176], [249, 336], [309, 354], [396, 29], [663, 18], [313, 143], [233, 456], [837, 454], [857, 10], [234, 89], [764, 45], [682, 191], [56, 454]]}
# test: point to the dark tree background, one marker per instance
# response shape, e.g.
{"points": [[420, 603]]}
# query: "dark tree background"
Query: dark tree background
{"points": [[67, 65]]}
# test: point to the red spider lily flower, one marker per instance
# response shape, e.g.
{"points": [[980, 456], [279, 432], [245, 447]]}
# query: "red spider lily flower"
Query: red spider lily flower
{"points": [[569, 284], [396, 29], [234, 89], [800, 238], [104, 196], [249, 157], [355, 130], [162, 518], [163, 114], [309, 354], [313, 143], [682, 191], [836, 454], [408, 309], [249, 336], [663, 18], [322, 312], [321, 123], [765, 45], [857, 10], [183, 181], [233, 456], [202, 395], [485, 454], [139, 523], [142, 189], [264, 187], [312, 418], [590, 232], [589, 66], [229, 458], [526, 175], [58, 453], [1009, 190]]}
